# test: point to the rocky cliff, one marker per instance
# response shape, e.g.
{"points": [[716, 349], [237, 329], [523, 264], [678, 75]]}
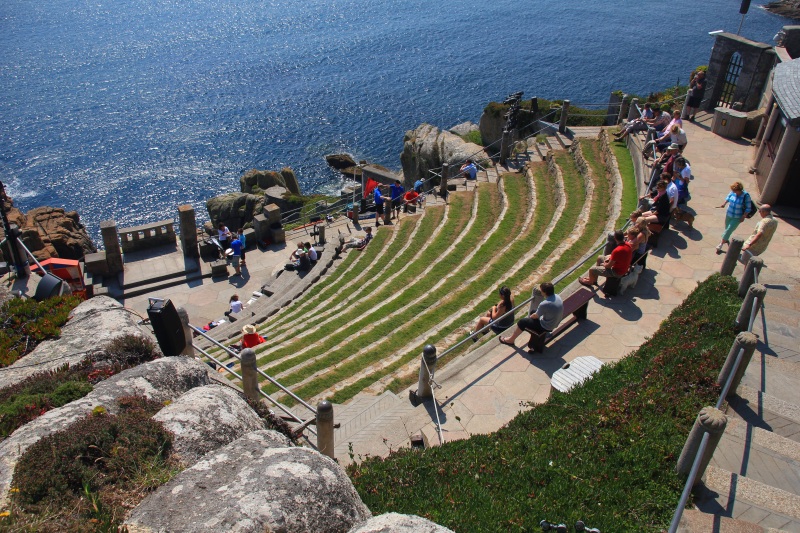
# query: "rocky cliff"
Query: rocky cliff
{"points": [[50, 232], [427, 148]]}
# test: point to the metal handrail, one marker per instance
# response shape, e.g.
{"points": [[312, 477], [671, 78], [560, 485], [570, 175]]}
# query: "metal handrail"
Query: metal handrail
{"points": [[270, 379]]}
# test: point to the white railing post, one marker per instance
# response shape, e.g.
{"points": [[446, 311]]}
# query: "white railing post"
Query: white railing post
{"points": [[562, 123], [325, 428], [633, 110], [623, 109], [744, 341], [751, 271], [427, 366], [731, 257]]}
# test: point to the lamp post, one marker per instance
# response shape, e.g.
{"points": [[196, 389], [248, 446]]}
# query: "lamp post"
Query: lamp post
{"points": [[11, 237]]}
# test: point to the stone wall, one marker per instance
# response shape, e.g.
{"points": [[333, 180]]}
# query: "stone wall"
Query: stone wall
{"points": [[757, 62]]}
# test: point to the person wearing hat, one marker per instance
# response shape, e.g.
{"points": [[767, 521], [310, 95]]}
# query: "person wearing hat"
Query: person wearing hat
{"points": [[251, 337], [668, 158]]}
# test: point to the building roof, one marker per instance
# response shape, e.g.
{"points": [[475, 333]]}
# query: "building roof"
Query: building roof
{"points": [[786, 88]]}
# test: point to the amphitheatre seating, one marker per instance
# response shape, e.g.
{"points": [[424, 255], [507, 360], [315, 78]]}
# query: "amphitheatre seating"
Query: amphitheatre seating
{"points": [[576, 304]]}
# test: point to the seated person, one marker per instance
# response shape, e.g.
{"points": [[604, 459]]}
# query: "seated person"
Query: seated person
{"points": [[236, 306], [313, 256], [300, 250], [615, 265], [493, 316], [469, 170], [251, 337], [358, 244], [546, 318], [639, 124], [660, 120], [410, 198], [660, 211], [681, 177]]}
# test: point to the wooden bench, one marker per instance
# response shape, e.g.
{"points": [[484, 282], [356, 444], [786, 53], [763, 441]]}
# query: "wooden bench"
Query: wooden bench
{"points": [[576, 305]]}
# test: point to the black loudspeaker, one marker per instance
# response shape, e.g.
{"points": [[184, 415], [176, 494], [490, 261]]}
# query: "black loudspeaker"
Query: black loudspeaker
{"points": [[167, 326], [50, 286], [744, 7]]}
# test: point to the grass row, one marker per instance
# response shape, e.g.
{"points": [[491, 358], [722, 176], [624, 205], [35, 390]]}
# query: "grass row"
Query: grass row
{"points": [[604, 453]]}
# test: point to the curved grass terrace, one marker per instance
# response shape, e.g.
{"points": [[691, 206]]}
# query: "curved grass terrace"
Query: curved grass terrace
{"points": [[427, 277]]}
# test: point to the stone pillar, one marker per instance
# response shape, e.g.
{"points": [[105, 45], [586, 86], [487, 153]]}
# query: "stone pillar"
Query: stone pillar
{"points": [[188, 227], [443, 182], [623, 109], [108, 232], [355, 213], [744, 340], [427, 366], [325, 441], [633, 110], [562, 124], [751, 270], [712, 421], [770, 107], [321, 233], [731, 257], [780, 167], [387, 210], [684, 109], [249, 375], [261, 227], [754, 297], [505, 147], [188, 351], [773, 118], [273, 213]]}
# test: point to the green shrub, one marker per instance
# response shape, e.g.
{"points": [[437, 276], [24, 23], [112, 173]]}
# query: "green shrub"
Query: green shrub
{"points": [[96, 469], [26, 323], [473, 137], [604, 453]]}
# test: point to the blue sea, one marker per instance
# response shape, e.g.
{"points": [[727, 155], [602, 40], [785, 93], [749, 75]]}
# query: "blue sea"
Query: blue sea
{"points": [[123, 110]]}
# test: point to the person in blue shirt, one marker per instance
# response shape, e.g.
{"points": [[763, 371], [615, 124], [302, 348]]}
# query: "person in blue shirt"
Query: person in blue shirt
{"points": [[378, 197], [236, 246], [470, 170], [739, 203], [396, 192], [241, 237], [418, 185]]}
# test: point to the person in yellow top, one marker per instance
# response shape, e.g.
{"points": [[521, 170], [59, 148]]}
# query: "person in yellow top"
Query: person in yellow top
{"points": [[758, 241]]}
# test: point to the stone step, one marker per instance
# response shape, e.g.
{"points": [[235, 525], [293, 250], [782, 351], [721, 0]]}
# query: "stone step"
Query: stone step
{"points": [[183, 270], [693, 521], [748, 500], [780, 378], [155, 285], [563, 140], [768, 412], [359, 413]]}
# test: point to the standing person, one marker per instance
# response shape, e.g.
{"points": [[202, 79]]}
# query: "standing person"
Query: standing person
{"points": [[697, 89], [470, 170], [236, 246], [739, 204], [615, 265], [378, 198], [758, 241], [494, 315], [236, 306], [546, 318], [396, 191], [241, 237]]}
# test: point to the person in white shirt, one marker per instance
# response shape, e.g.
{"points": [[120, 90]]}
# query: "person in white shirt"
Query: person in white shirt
{"points": [[236, 306]]}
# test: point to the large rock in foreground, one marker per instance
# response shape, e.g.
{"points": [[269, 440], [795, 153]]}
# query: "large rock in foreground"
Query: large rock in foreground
{"points": [[399, 523], [207, 418], [92, 325], [160, 380], [250, 486], [427, 148]]}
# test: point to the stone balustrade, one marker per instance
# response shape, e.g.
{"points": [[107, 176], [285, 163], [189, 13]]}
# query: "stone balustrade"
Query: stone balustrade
{"points": [[146, 236]]}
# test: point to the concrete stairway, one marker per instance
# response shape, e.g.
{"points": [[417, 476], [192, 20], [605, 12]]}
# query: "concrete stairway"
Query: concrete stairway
{"points": [[754, 476]]}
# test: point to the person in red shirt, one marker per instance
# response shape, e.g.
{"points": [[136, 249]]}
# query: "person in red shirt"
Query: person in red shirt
{"points": [[251, 337], [410, 198], [615, 265]]}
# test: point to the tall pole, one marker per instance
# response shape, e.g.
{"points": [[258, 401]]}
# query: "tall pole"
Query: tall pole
{"points": [[11, 237]]}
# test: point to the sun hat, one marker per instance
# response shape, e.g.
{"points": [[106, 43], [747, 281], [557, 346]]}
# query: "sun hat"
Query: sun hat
{"points": [[674, 146], [249, 329]]}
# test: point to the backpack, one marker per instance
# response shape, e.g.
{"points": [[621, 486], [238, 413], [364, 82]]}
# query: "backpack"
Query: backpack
{"points": [[753, 208]]}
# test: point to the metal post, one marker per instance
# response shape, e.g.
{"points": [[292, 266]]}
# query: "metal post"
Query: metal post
{"points": [[355, 213], [732, 257], [623, 109], [321, 233], [684, 112], [744, 340], [325, 428], [562, 124], [187, 332], [249, 374], [12, 234], [751, 270], [443, 183], [754, 297], [712, 421], [427, 366], [387, 209], [633, 110], [535, 105], [505, 147]]}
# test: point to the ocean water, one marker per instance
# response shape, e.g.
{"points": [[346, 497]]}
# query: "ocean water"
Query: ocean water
{"points": [[123, 110]]}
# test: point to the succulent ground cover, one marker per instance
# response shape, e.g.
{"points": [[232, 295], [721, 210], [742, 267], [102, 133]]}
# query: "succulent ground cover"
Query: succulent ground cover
{"points": [[604, 453]]}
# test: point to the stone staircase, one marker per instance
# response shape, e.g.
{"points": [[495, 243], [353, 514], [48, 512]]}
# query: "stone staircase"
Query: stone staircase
{"points": [[753, 480]]}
